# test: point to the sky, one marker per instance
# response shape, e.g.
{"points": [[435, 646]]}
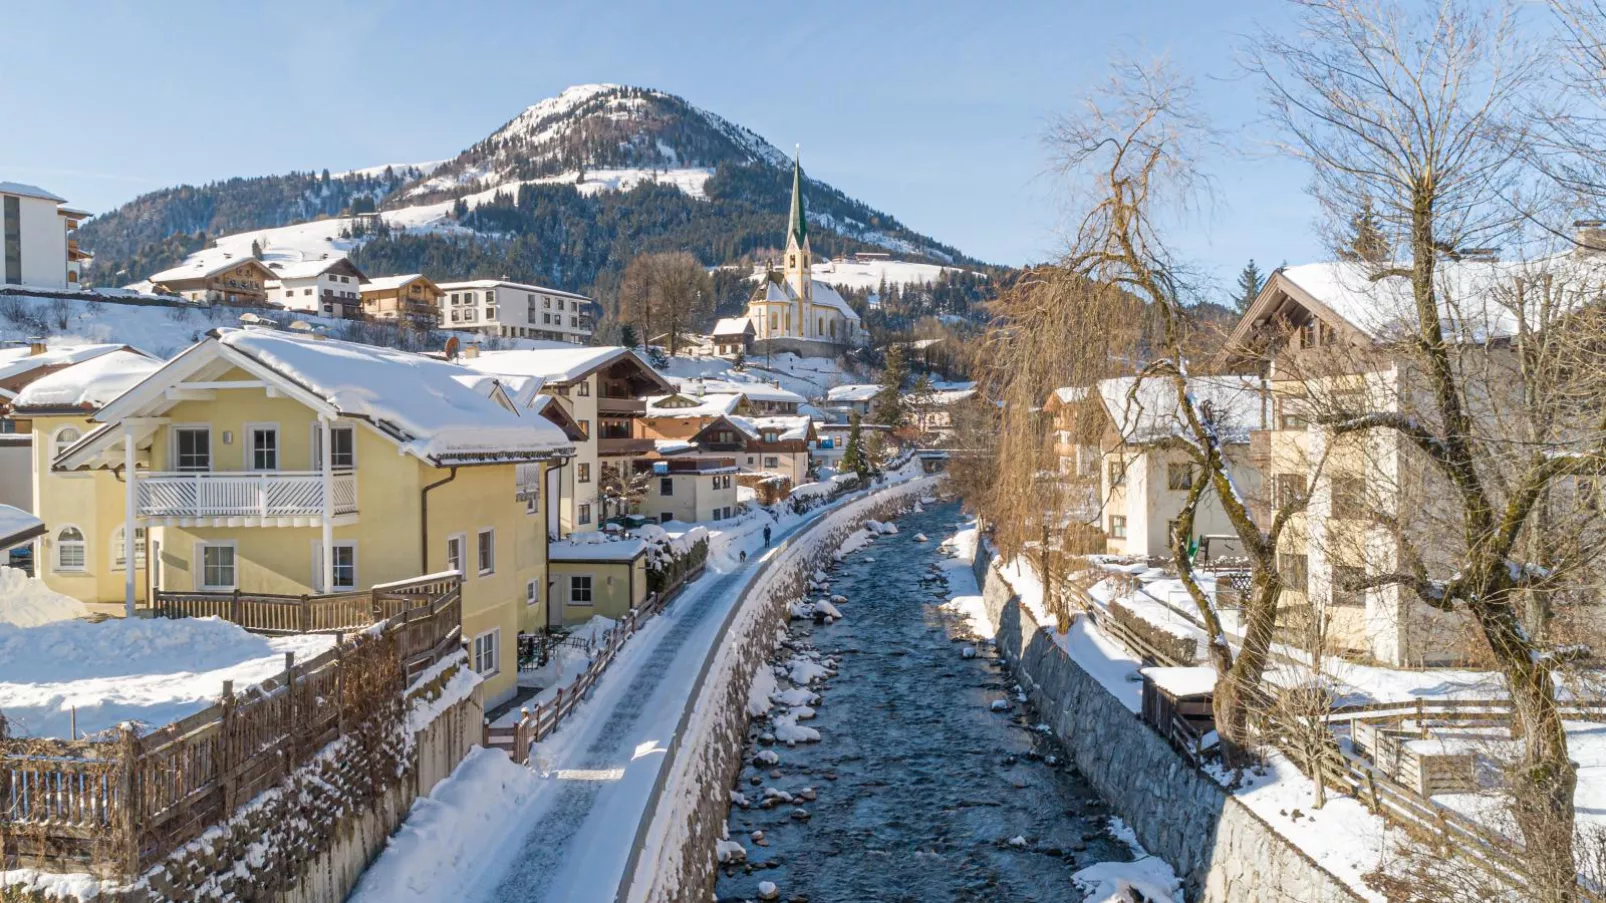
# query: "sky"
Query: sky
{"points": [[932, 111]]}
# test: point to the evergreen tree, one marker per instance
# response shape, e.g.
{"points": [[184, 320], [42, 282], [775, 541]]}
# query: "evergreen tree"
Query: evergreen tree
{"points": [[1366, 243], [739, 362], [256, 249], [854, 457], [887, 407], [1250, 282], [628, 336]]}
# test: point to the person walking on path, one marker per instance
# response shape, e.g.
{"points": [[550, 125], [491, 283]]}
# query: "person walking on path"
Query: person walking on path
{"points": [[766, 536]]}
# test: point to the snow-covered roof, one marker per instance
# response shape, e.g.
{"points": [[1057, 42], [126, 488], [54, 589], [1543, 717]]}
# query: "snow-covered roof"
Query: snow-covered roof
{"points": [[521, 286], [732, 326], [576, 548], [310, 269], [17, 360], [707, 405], [786, 428], [1147, 411], [202, 264], [18, 526], [855, 392], [945, 397], [754, 391], [1070, 394], [387, 283], [673, 446], [824, 295], [562, 363], [32, 191], [1183, 681], [88, 385]]}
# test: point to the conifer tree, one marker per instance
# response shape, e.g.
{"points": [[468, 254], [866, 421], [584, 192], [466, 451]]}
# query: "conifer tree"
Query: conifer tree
{"points": [[1366, 243], [854, 457], [628, 336], [887, 408], [1250, 282]]}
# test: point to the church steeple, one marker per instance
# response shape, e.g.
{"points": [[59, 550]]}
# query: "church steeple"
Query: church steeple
{"points": [[798, 272]]}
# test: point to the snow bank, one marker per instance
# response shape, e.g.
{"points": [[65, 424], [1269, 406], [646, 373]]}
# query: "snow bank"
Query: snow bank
{"points": [[149, 672], [27, 602], [1148, 879], [758, 696]]}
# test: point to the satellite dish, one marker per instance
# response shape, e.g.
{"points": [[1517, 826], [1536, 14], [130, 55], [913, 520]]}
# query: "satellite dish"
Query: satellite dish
{"points": [[451, 347]]}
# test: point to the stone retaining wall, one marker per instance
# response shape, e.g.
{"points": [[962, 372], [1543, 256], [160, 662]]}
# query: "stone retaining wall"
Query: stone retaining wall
{"points": [[675, 857], [1223, 851]]}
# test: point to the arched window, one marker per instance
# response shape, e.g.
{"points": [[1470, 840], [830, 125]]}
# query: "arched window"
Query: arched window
{"points": [[117, 548], [71, 550], [65, 437]]}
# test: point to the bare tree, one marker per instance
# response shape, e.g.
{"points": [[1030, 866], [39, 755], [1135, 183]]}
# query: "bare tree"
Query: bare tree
{"points": [[1415, 110]]}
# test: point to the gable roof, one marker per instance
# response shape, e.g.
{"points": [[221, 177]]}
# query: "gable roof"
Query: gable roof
{"points": [[786, 429], [387, 283], [563, 365], [310, 269], [732, 326], [702, 405], [18, 360], [436, 411], [1147, 411], [88, 385], [206, 264], [854, 392], [754, 391]]}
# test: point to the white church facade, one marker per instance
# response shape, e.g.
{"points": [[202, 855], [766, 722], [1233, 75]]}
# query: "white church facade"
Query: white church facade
{"points": [[790, 310]]}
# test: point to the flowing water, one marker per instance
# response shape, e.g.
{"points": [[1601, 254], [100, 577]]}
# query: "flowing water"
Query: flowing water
{"points": [[922, 791]]}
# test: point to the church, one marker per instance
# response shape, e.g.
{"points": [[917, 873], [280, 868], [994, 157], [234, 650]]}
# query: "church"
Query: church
{"points": [[790, 311]]}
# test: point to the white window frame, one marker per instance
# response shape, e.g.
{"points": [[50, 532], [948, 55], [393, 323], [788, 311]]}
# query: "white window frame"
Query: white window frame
{"points": [[591, 590], [532, 592], [462, 553], [82, 544], [479, 551], [487, 645], [251, 447], [172, 446], [56, 448], [317, 565], [315, 449], [583, 513], [115, 548], [200, 565]]}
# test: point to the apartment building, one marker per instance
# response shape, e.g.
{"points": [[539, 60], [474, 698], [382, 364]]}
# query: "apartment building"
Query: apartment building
{"points": [[688, 489], [36, 233], [267, 462], [512, 309], [329, 286]]}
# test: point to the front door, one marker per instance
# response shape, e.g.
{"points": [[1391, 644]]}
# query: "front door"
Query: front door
{"points": [[555, 603]]}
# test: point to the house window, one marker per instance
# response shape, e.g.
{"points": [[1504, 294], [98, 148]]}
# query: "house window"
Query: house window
{"points": [[580, 589], [532, 592], [1179, 476], [485, 652], [583, 473], [13, 239], [1117, 527], [585, 513], [487, 559], [342, 447], [217, 566], [1346, 576], [1117, 472], [583, 390], [192, 448], [666, 486], [1349, 498], [117, 549], [72, 552], [585, 429], [772, 461], [1295, 572], [65, 437], [1291, 414], [1289, 489], [263, 447], [345, 565], [454, 552], [665, 517]]}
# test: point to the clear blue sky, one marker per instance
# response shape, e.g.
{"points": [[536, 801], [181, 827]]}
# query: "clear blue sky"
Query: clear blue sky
{"points": [[931, 111]]}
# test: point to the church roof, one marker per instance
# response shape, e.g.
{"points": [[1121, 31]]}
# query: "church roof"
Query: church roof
{"points": [[824, 296], [797, 223]]}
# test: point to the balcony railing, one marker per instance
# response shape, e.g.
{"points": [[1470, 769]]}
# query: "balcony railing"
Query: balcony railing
{"points": [[279, 493], [610, 405], [624, 446]]}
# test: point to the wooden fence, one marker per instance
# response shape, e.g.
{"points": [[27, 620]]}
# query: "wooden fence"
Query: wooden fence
{"points": [[113, 807], [536, 723]]}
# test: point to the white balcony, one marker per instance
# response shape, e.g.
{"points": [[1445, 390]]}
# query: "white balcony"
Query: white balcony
{"points": [[280, 498]]}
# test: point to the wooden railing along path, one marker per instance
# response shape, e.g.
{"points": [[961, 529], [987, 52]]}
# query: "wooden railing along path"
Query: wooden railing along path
{"points": [[115, 805]]}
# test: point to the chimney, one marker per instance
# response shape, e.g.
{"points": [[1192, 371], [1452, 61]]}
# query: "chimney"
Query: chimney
{"points": [[1590, 236], [36, 345]]}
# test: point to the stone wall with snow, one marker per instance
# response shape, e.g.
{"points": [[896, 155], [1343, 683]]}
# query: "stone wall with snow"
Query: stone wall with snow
{"points": [[676, 854], [1222, 850]]}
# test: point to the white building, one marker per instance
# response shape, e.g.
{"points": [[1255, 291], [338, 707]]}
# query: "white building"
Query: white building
{"points": [[330, 286], [512, 309], [791, 311], [34, 229]]}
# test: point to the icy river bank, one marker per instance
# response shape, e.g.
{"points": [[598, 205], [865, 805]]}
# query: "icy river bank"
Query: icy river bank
{"points": [[929, 780]]}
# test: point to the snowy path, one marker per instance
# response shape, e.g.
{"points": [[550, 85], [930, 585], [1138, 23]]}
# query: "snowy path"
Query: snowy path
{"points": [[574, 838]]}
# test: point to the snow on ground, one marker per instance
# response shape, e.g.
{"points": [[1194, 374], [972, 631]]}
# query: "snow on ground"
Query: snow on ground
{"points": [[872, 273], [148, 671], [27, 602], [809, 377], [964, 594], [1145, 877]]}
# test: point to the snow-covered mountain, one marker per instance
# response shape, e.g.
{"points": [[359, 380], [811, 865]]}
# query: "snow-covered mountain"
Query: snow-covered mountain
{"points": [[563, 193]]}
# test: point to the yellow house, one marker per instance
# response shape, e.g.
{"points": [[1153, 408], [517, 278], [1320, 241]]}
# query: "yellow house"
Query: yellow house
{"points": [[269, 462], [82, 553], [596, 578]]}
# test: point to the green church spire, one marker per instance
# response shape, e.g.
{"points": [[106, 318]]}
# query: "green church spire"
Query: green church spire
{"points": [[797, 223]]}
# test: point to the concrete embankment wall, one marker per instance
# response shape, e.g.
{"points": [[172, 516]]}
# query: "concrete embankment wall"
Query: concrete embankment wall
{"points": [[675, 856], [1222, 850]]}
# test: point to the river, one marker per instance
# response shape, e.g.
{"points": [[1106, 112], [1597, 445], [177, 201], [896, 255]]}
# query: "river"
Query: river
{"points": [[922, 790]]}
